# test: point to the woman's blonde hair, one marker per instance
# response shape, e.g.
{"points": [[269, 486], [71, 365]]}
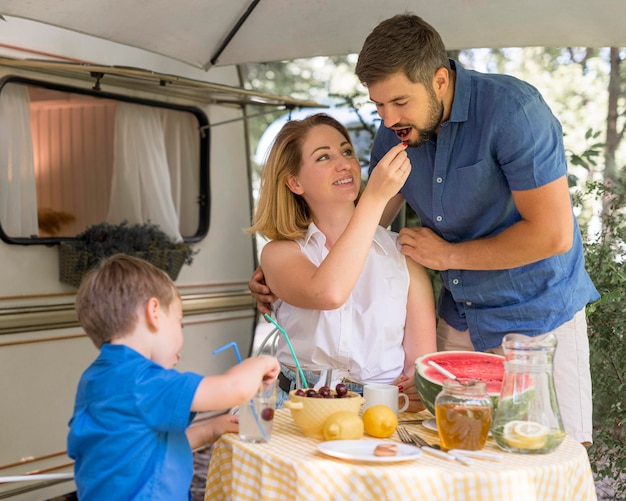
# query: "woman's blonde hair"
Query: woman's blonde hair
{"points": [[109, 296], [280, 213]]}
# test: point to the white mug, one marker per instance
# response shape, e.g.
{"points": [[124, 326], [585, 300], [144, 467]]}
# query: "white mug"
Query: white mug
{"points": [[385, 394]]}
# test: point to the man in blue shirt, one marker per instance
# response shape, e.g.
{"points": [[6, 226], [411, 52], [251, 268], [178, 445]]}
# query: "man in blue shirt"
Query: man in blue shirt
{"points": [[489, 183]]}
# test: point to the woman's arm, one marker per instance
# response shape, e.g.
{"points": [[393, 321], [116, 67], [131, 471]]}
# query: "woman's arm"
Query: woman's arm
{"points": [[420, 330], [292, 277]]}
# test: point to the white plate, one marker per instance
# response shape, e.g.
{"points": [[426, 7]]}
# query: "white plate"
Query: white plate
{"points": [[431, 424], [363, 450]]}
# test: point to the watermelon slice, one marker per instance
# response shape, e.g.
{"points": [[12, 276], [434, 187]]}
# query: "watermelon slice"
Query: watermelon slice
{"points": [[463, 364]]}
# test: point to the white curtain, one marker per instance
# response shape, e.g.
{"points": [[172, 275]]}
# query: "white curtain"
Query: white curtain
{"points": [[18, 194], [182, 144], [141, 189]]}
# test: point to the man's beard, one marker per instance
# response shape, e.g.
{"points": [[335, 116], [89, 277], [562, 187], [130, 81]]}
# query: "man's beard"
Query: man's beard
{"points": [[435, 116]]}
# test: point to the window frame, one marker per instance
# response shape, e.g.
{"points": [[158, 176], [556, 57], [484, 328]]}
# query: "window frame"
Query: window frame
{"points": [[204, 205]]}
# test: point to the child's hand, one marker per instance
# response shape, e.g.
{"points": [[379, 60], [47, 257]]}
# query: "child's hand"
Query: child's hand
{"points": [[208, 433], [273, 368], [226, 423]]}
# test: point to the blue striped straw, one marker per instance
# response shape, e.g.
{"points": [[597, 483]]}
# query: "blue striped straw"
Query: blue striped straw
{"points": [[254, 412], [293, 353]]}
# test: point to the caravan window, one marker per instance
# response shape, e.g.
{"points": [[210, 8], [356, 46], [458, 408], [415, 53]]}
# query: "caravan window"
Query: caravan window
{"points": [[71, 158]]}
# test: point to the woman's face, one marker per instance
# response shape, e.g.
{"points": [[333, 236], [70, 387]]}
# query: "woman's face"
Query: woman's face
{"points": [[329, 170]]}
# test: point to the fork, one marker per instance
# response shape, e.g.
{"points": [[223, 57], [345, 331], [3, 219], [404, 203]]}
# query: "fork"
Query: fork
{"points": [[409, 438]]}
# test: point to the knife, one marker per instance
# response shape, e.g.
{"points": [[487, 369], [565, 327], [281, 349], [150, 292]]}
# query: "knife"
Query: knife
{"points": [[448, 456], [476, 454]]}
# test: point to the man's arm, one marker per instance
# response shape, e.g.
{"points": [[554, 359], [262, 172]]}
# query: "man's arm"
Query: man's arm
{"points": [[261, 292], [546, 229]]}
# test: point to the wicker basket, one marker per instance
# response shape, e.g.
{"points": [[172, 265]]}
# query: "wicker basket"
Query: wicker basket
{"points": [[73, 264]]}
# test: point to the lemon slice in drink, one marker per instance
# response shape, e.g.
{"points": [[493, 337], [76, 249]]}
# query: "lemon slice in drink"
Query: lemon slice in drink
{"points": [[527, 435]]}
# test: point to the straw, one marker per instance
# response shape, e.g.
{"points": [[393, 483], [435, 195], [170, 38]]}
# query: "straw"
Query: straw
{"points": [[293, 353], [226, 346], [254, 413]]}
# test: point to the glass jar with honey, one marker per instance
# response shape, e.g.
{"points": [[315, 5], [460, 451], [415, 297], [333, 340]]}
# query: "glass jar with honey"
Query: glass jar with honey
{"points": [[463, 410]]}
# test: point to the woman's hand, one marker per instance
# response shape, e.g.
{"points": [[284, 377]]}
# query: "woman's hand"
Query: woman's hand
{"points": [[390, 174], [406, 385]]}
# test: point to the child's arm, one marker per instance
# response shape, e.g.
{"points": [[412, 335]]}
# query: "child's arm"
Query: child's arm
{"points": [[235, 386], [208, 433]]}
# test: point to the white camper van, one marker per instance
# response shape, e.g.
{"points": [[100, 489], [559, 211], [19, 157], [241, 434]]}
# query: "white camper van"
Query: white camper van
{"points": [[85, 83], [83, 143]]}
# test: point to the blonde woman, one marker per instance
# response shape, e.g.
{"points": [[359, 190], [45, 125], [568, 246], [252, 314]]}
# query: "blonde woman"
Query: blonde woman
{"points": [[347, 297]]}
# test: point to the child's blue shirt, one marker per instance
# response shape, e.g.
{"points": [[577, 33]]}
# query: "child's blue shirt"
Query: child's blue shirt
{"points": [[127, 434]]}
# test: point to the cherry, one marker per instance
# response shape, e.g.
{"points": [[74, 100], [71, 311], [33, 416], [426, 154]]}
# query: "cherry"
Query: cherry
{"points": [[311, 393], [324, 392], [267, 414], [341, 389], [300, 392]]}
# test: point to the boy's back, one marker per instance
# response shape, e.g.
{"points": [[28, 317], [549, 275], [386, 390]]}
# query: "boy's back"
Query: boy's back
{"points": [[134, 413]]}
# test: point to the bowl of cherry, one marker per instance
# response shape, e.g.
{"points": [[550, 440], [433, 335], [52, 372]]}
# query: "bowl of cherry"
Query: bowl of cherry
{"points": [[311, 408]]}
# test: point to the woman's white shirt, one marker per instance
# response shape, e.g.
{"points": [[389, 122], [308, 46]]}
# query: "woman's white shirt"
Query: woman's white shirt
{"points": [[364, 336]]}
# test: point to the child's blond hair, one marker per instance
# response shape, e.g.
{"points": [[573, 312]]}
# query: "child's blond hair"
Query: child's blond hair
{"points": [[109, 296]]}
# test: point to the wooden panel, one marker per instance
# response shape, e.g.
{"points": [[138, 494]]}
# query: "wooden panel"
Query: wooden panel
{"points": [[73, 153]]}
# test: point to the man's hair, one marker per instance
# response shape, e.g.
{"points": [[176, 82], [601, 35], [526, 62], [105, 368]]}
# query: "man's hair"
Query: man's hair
{"points": [[404, 43], [280, 213], [110, 295]]}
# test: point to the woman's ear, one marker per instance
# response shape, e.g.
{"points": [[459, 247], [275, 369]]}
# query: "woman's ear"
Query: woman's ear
{"points": [[293, 183]]}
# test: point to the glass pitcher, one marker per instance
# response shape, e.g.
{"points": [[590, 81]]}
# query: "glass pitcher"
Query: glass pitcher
{"points": [[527, 419]]}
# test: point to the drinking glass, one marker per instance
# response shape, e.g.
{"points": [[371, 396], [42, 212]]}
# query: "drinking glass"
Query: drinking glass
{"points": [[257, 415]]}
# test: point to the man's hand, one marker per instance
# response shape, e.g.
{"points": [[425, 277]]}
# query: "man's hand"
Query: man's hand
{"points": [[261, 292], [425, 247]]}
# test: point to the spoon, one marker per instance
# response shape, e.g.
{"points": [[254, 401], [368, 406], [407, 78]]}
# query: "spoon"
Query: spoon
{"points": [[440, 369]]}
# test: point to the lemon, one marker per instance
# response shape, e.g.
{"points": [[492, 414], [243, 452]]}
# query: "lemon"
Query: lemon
{"points": [[380, 421], [343, 425], [527, 435]]}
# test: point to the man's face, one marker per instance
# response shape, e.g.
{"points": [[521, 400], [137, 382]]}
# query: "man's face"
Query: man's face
{"points": [[413, 111]]}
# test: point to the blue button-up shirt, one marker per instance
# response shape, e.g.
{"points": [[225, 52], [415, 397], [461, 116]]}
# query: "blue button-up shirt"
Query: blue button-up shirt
{"points": [[501, 136]]}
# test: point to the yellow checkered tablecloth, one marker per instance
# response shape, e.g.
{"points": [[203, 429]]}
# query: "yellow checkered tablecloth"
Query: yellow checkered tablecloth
{"points": [[290, 468]]}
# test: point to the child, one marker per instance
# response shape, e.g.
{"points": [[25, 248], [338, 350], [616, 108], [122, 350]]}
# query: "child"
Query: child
{"points": [[129, 434]]}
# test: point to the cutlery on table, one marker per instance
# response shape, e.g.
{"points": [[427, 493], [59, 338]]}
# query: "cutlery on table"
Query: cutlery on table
{"points": [[410, 438], [476, 454]]}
